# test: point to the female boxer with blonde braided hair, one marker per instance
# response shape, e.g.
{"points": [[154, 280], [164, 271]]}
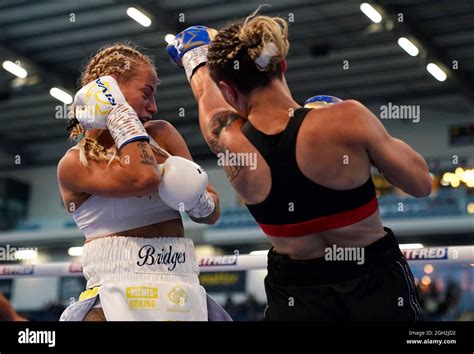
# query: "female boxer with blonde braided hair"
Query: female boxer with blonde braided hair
{"points": [[125, 62], [311, 191], [137, 263]]}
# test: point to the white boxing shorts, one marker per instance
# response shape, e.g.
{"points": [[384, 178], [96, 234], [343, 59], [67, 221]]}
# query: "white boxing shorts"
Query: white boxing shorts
{"points": [[143, 279]]}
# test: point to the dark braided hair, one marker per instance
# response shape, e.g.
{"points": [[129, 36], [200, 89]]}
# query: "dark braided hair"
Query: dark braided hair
{"points": [[248, 54]]}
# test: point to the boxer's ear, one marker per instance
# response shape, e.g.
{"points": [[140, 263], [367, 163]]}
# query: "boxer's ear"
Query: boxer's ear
{"points": [[229, 92], [116, 78], [284, 66]]}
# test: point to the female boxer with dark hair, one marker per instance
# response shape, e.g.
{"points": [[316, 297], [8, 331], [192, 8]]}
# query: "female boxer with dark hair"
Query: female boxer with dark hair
{"points": [[312, 192]]}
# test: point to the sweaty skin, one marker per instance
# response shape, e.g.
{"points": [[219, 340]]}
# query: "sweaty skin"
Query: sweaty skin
{"points": [[335, 148], [140, 93], [77, 182]]}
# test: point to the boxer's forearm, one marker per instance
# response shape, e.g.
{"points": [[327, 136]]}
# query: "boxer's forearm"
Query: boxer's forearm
{"points": [[207, 94], [199, 78], [211, 106]]}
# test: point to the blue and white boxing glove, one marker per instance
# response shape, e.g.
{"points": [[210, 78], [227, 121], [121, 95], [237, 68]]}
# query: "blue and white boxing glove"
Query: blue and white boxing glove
{"points": [[101, 105], [189, 48], [321, 101]]}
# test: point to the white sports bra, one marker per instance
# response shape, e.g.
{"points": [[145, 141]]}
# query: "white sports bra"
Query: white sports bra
{"points": [[101, 216]]}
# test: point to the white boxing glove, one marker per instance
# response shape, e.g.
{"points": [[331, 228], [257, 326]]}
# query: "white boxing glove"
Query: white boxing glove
{"points": [[183, 187], [101, 105], [94, 102]]}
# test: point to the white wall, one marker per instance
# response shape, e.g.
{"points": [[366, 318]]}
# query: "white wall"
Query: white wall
{"points": [[217, 177], [45, 199], [25, 298], [430, 136]]}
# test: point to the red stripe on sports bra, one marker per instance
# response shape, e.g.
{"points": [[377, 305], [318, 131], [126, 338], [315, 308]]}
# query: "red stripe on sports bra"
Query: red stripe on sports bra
{"points": [[323, 223]]}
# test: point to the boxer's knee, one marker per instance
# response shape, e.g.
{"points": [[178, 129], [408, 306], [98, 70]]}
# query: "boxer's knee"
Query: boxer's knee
{"points": [[95, 314]]}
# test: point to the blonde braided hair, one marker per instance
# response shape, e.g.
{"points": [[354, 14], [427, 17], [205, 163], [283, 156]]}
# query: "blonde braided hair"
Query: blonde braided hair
{"points": [[120, 60]]}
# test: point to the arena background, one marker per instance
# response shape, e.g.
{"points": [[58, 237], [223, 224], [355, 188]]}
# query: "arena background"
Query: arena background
{"points": [[335, 49]]}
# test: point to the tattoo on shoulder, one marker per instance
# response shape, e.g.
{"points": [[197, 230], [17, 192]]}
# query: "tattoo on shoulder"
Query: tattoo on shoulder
{"points": [[146, 158], [222, 120], [219, 122], [215, 126]]}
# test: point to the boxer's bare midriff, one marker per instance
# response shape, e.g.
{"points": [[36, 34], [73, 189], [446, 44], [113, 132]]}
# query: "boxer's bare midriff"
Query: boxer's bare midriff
{"points": [[170, 228], [360, 234]]}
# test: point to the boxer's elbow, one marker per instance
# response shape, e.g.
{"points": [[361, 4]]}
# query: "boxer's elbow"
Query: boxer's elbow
{"points": [[423, 180], [145, 184], [423, 187]]}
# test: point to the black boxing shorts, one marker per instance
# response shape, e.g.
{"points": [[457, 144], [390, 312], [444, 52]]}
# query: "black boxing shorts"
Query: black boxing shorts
{"points": [[376, 287]]}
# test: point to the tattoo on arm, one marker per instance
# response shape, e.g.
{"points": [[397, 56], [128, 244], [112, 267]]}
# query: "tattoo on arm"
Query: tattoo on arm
{"points": [[146, 158], [217, 123]]}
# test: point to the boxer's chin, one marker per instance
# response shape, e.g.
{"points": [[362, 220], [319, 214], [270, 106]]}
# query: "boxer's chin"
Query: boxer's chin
{"points": [[145, 119]]}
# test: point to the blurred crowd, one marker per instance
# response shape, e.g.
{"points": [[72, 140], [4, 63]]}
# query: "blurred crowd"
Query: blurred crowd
{"points": [[438, 303], [248, 310]]}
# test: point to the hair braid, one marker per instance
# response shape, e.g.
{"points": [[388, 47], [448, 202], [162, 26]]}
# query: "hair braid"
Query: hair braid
{"points": [[122, 61], [252, 35], [257, 45]]}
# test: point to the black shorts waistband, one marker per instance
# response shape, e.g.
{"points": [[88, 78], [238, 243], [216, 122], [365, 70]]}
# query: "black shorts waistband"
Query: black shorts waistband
{"points": [[331, 269]]}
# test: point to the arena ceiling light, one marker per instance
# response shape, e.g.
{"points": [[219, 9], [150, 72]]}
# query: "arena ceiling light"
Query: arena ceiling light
{"points": [[26, 254], [169, 38], [139, 16], [408, 46], [459, 175], [470, 208], [15, 69], [370, 12], [426, 280], [436, 71], [61, 95], [259, 253], [428, 269], [405, 246], [75, 251]]}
